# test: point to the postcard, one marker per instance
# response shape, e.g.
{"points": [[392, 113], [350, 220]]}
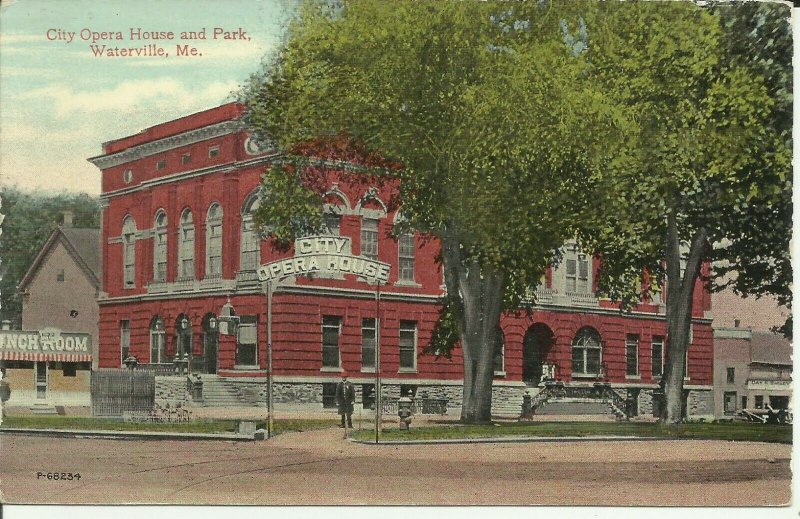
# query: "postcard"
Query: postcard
{"points": [[333, 252]]}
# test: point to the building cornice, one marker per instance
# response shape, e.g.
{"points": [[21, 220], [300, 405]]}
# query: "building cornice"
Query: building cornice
{"points": [[228, 167], [167, 143]]}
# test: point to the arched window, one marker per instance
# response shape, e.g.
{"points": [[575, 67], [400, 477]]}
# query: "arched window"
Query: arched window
{"points": [[586, 352], [250, 244], [157, 341], [186, 248], [129, 252], [160, 248], [214, 241]]}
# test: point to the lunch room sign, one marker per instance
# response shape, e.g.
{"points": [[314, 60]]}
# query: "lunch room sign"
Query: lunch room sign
{"points": [[49, 344]]}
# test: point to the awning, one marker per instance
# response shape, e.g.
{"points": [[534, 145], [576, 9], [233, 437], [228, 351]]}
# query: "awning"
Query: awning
{"points": [[45, 345], [42, 357]]}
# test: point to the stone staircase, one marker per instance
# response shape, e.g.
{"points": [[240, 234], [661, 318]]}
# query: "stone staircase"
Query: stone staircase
{"points": [[510, 405], [220, 392], [574, 406]]}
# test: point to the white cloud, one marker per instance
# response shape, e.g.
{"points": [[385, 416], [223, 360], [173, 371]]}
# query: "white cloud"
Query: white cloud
{"points": [[132, 96], [10, 39]]}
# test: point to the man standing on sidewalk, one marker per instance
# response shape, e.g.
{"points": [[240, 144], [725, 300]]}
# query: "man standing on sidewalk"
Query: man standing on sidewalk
{"points": [[345, 397]]}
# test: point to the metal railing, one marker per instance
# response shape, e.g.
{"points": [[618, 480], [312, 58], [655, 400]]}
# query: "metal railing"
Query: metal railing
{"points": [[418, 406]]}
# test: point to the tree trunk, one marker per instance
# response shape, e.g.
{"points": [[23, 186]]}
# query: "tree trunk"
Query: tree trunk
{"points": [[680, 292], [479, 292]]}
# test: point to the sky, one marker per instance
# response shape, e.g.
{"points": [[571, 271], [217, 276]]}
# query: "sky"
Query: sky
{"points": [[59, 102]]}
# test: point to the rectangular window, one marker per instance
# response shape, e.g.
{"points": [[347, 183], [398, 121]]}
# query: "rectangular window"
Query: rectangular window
{"points": [[69, 369], [658, 356], [161, 256], [130, 260], [499, 356], [213, 151], [251, 245], [408, 345], [731, 375], [632, 354], [744, 402], [331, 330], [214, 241], [60, 276], [368, 343], [186, 158], [247, 341], [369, 238], [124, 339], [729, 401], [161, 164], [333, 223], [329, 395], [187, 253], [759, 403], [406, 264], [577, 272]]}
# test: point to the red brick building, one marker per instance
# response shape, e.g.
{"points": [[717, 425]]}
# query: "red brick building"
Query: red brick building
{"points": [[179, 242]]}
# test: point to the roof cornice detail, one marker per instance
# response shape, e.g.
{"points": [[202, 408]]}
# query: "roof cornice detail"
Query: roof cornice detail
{"points": [[166, 144]]}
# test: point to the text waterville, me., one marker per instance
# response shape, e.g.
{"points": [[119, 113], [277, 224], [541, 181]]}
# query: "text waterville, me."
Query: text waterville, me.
{"points": [[143, 42]]}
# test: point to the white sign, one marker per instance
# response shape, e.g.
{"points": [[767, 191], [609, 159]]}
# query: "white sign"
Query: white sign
{"points": [[328, 254], [45, 342], [770, 385]]}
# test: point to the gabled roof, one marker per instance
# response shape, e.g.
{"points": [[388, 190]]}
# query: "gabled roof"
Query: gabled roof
{"points": [[83, 245], [770, 348]]}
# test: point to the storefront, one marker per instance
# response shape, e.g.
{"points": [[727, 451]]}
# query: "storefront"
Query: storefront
{"points": [[47, 367]]}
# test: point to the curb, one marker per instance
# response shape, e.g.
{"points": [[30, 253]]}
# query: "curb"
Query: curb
{"points": [[519, 439], [126, 435]]}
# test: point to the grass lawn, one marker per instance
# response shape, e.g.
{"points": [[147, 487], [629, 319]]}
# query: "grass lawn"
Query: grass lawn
{"points": [[709, 431], [112, 424]]}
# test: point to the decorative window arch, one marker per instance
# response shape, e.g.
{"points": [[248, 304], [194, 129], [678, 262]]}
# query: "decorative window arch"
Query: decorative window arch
{"points": [[587, 352], [336, 204], [160, 247], [250, 242], [370, 218], [129, 252], [186, 246], [158, 341], [214, 241]]}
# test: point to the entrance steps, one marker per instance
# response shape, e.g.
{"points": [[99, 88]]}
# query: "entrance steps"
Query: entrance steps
{"points": [[511, 405], [43, 408], [221, 392], [574, 406]]}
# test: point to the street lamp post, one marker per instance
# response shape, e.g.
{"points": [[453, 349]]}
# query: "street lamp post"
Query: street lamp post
{"points": [[269, 359]]}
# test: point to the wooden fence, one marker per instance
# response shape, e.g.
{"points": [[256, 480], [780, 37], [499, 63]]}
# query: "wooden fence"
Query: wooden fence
{"points": [[116, 391]]}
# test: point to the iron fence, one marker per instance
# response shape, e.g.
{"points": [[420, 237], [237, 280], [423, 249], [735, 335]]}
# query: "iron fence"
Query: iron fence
{"points": [[117, 391]]}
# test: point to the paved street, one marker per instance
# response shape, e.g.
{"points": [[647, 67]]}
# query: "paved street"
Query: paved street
{"points": [[320, 467]]}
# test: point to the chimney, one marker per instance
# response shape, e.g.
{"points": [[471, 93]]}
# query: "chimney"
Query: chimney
{"points": [[67, 218]]}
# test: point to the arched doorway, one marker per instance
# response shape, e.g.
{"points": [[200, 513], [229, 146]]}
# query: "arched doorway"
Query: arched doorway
{"points": [[210, 342], [537, 343]]}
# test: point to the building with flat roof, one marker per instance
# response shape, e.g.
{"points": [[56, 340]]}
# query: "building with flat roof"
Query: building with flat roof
{"points": [[179, 243]]}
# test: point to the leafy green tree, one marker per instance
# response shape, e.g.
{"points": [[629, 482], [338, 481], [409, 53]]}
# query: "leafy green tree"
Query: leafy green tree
{"points": [[487, 108], [708, 176], [758, 35], [30, 217]]}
